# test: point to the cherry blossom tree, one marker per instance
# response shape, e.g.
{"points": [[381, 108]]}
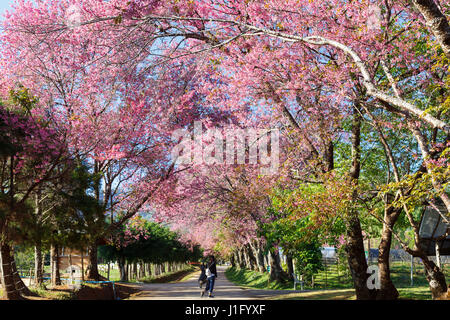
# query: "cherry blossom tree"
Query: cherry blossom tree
{"points": [[32, 154], [313, 62]]}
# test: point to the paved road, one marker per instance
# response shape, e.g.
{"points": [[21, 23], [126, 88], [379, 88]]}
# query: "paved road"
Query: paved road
{"points": [[189, 290]]}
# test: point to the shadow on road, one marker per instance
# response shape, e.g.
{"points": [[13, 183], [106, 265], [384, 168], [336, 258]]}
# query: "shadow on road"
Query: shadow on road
{"points": [[189, 290]]}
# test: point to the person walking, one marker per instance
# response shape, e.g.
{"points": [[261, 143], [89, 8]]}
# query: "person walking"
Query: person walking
{"points": [[203, 278], [211, 274]]}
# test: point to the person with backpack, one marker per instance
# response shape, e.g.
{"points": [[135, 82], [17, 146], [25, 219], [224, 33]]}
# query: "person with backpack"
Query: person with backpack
{"points": [[211, 274]]}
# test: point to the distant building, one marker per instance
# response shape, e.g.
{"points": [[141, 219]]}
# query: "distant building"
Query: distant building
{"points": [[72, 261], [328, 252]]}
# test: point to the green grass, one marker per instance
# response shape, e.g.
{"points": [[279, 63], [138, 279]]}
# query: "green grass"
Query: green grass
{"points": [[175, 276], [114, 275], [53, 295], [332, 277], [338, 294], [415, 293], [253, 279], [331, 284], [400, 274]]}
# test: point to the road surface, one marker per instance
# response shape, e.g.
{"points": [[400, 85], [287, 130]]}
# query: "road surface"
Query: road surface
{"points": [[189, 290]]}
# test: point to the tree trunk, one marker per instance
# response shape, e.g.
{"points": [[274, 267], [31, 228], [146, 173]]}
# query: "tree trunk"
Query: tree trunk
{"points": [[436, 21], [54, 257], [20, 286], [248, 257], [357, 260], [92, 267], [253, 258], [245, 256], [232, 260], [438, 254], [355, 244], [82, 265], [38, 270], [290, 266], [38, 265], [435, 278], [237, 258], [259, 257], [387, 289], [7, 274], [44, 253], [135, 274], [241, 258], [276, 272], [122, 269], [143, 271]]}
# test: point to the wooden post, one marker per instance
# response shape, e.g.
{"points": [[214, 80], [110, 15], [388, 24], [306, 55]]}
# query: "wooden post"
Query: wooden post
{"points": [[412, 270], [43, 263]]}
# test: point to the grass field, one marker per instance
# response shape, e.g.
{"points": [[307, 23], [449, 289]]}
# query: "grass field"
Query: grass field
{"points": [[336, 284], [171, 276], [114, 275]]}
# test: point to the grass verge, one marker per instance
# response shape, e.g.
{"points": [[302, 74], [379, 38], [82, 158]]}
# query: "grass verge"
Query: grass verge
{"points": [[176, 276], [338, 294], [253, 279], [335, 288]]}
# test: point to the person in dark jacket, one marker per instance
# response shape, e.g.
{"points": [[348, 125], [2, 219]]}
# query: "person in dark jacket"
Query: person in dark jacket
{"points": [[203, 278], [211, 276]]}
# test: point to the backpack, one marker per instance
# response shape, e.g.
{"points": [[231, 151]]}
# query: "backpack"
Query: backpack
{"points": [[208, 272]]}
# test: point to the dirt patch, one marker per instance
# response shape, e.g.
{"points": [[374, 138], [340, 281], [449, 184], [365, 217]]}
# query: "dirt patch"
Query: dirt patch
{"points": [[95, 292], [125, 290], [105, 291], [102, 291]]}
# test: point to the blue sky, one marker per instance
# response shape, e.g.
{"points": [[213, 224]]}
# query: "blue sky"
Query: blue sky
{"points": [[4, 4]]}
